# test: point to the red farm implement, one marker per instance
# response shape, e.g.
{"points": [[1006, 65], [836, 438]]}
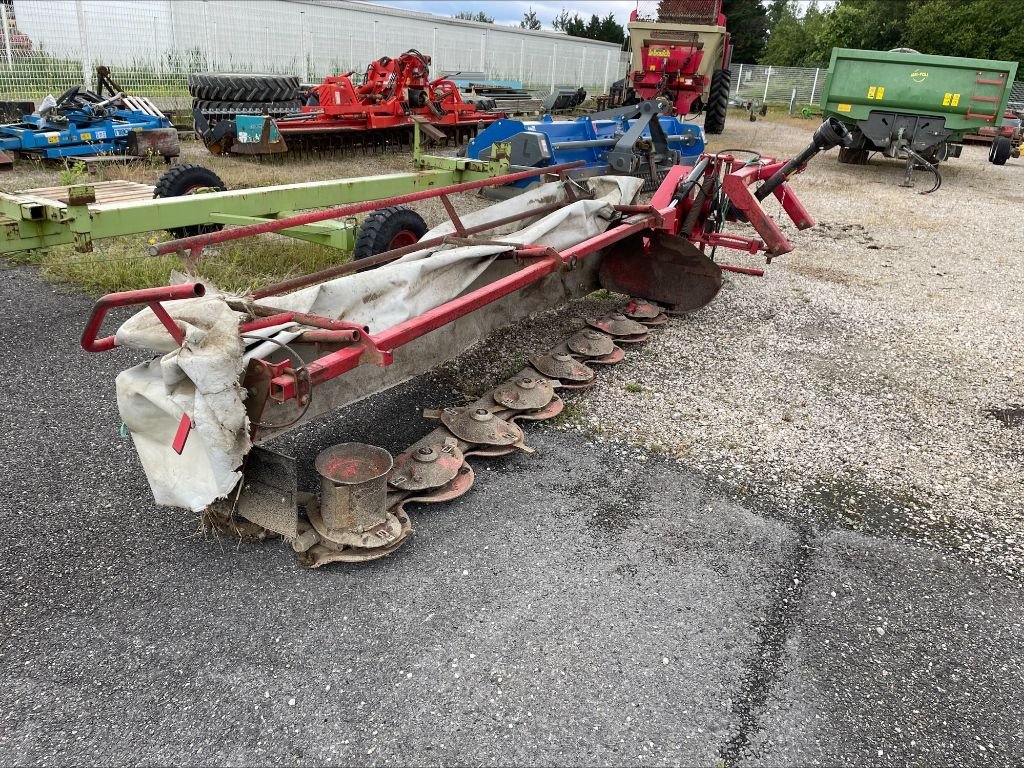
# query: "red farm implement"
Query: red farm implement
{"points": [[379, 113], [252, 367], [681, 53]]}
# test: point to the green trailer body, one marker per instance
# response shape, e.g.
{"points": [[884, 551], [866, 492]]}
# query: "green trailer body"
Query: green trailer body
{"points": [[912, 105]]}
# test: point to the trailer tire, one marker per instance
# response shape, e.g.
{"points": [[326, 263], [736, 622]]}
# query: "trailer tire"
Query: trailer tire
{"points": [[213, 86], [852, 156], [1000, 150], [184, 180], [388, 228], [718, 101]]}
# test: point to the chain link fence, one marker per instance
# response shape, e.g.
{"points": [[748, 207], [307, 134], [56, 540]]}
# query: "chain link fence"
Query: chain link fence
{"points": [[152, 45]]}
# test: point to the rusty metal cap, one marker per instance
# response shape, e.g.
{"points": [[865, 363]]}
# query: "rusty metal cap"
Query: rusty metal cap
{"points": [[591, 343], [524, 393], [562, 366], [429, 466], [480, 426], [618, 325]]}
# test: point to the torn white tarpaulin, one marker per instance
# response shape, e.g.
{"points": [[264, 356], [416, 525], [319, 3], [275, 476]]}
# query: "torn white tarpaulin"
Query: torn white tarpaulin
{"points": [[202, 378]]}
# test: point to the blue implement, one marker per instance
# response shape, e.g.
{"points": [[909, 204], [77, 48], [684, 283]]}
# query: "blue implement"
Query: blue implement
{"points": [[587, 139]]}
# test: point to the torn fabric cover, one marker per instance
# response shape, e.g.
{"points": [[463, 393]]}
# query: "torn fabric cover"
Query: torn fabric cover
{"points": [[202, 378]]}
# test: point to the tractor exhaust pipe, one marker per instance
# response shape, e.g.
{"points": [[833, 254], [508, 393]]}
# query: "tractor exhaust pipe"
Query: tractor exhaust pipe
{"points": [[831, 133]]}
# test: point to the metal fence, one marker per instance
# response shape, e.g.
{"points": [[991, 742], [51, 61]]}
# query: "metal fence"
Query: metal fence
{"points": [[152, 45], [770, 84]]}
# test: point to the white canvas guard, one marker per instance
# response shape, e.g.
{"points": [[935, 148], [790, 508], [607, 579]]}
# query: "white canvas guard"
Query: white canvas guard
{"points": [[202, 378]]}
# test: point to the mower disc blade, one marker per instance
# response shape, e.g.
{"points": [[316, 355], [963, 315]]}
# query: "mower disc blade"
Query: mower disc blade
{"points": [[670, 271]]}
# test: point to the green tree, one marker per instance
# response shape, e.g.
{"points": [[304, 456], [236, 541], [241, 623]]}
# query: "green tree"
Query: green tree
{"points": [[530, 20], [561, 21], [470, 16], [747, 22]]}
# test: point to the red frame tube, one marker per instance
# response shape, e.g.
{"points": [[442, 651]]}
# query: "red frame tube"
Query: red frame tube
{"points": [[150, 296]]}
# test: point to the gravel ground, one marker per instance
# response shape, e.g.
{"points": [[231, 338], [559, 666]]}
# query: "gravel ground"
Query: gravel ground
{"points": [[875, 372]]}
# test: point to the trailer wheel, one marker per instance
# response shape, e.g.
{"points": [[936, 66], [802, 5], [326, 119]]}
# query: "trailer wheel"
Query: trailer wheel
{"points": [[388, 228], [187, 179], [718, 101], [852, 156], [1000, 150]]}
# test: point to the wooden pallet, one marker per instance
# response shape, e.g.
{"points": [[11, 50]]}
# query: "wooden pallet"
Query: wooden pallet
{"points": [[107, 192]]}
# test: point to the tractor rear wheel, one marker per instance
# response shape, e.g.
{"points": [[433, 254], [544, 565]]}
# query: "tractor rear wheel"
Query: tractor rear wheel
{"points": [[718, 101], [386, 229], [1000, 150], [188, 179]]}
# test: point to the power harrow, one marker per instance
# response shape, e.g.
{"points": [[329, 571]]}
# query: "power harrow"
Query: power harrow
{"points": [[235, 371], [339, 115]]}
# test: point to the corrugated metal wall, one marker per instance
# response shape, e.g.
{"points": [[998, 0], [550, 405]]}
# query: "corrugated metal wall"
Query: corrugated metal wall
{"points": [[153, 44]]}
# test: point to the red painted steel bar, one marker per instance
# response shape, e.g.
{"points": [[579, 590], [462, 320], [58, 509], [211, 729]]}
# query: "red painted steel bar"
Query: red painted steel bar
{"points": [[276, 225], [150, 296], [282, 388], [286, 286]]}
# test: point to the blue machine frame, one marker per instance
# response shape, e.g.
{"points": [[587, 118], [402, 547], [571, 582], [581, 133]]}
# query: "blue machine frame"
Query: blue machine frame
{"points": [[587, 139]]}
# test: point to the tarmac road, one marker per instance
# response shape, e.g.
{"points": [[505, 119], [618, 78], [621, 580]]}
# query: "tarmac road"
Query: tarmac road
{"points": [[589, 605]]}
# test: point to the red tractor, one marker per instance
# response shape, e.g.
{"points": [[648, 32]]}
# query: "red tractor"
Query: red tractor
{"points": [[682, 53]]}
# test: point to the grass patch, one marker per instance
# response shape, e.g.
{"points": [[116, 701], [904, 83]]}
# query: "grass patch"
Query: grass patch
{"points": [[634, 388], [119, 264]]}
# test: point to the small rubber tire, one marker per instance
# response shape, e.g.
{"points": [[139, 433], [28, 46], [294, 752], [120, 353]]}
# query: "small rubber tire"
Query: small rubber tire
{"points": [[386, 229], [1000, 150], [718, 101], [184, 180]]}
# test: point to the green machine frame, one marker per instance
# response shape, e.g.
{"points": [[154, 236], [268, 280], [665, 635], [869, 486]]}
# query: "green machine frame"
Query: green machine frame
{"points": [[29, 222]]}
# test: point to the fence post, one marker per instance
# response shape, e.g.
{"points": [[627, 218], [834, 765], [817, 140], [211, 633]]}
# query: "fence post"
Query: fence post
{"points": [[206, 28], [83, 42], [814, 87], [483, 52], [583, 65], [7, 34], [739, 83], [554, 60], [522, 61], [607, 65], [767, 79]]}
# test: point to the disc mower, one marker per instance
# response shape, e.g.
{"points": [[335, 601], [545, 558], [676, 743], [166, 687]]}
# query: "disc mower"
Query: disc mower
{"points": [[232, 372]]}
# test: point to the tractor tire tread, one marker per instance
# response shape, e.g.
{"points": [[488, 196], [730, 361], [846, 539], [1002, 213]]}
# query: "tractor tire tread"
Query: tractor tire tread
{"points": [[211, 86], [381, 226], [718, 101]]}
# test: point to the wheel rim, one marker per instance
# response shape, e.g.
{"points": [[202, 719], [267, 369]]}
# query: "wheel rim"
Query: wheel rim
{"points": [[402, 239]]}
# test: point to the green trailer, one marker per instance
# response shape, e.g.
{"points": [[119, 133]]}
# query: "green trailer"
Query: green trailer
{"points": [[913, 106]]}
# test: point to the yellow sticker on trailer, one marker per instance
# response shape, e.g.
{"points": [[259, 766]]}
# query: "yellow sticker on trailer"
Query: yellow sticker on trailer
{"points": [[662, 53], [871, 92], [946, 99], [53, 138], [844, 107], [85, 136], [956, 100], [880, 92]]}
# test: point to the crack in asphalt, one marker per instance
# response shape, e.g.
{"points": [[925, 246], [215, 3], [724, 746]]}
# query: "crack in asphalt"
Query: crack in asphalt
{"points": [[764, 666]]}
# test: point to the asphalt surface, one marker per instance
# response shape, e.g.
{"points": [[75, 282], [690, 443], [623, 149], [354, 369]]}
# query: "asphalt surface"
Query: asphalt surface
{"points": [[588, 605]]}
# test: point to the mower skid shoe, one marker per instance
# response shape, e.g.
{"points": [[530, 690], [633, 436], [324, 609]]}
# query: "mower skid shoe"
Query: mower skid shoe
{"points": [[669, 270], [268, 492]]}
